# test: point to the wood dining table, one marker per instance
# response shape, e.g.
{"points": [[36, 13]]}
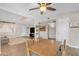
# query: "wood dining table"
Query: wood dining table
{"points": [[44, 48]]}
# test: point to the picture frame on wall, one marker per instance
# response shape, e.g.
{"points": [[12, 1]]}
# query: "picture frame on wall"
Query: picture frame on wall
{"points": [[42, 28]]}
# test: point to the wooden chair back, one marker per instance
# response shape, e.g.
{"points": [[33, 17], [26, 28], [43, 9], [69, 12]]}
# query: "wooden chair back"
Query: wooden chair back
{"points": [[64, 48]]}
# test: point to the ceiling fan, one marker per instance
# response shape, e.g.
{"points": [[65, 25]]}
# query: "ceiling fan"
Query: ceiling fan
{"points": [[7, 22], [43, 7]]}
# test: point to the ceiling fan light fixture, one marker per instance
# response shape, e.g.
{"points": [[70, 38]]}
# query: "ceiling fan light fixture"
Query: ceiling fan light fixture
{"points": [[43, 8]]}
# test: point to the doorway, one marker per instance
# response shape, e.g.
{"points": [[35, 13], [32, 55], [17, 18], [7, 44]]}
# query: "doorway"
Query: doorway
{"points": [[32, 32]]}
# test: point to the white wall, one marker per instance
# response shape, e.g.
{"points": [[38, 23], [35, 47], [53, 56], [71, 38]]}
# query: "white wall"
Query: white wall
{"points": [[74, 37], [73, 40], [0, 46], [20, 30], [62, 29], [74, 32]]}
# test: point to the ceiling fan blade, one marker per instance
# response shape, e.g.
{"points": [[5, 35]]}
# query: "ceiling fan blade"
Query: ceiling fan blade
{"points": [[44, 3], [48, 3], [39, 3], [52, 9], [7, 22], [34, 8]]}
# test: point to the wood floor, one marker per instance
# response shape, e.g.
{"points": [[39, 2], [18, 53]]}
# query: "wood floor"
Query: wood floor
{"points": [[20, 50], [43, 47]]}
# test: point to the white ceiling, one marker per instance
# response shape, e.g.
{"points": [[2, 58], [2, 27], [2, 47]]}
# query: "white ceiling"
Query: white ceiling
{"points": [[20, 11]]}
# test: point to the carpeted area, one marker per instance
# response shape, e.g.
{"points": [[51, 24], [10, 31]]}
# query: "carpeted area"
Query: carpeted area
{"points": [[14, 50]]}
